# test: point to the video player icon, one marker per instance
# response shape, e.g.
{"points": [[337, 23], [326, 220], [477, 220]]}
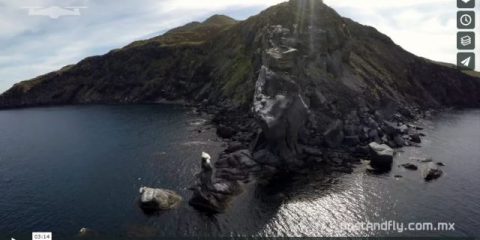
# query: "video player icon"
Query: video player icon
{"points": [[466, 61], [466, 19], [465, 3], [466, 40]]}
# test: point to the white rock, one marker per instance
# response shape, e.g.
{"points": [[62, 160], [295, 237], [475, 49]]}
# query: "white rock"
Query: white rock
{"points": [[206, 156], [158, 199]]}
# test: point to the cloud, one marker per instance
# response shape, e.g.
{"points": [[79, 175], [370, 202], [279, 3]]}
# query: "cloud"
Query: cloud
{"points": [[34, 45], [426, 28], [387, 4], [38, 44]]}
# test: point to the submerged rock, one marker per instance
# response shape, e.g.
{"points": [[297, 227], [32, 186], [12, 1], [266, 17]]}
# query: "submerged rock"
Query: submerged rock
{"points": [[432, 174], [87, 233], [409, 166], [158, 199], [382, 156], [415, 138], [422, 159]]}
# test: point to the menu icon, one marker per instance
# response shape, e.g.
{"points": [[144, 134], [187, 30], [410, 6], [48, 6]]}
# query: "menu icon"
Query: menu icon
{"points": [[466, 61], [466, 40], [465, 19], [465, 3]]}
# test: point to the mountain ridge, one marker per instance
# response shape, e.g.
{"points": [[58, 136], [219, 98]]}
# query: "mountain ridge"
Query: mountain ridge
{"points": [[190, 37]]}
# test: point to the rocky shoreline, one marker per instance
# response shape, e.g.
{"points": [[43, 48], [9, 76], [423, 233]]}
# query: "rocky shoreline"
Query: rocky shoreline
{"points": [[365, 134]]}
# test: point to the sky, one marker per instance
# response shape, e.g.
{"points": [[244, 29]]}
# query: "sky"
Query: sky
{"points": [[31, 45]]}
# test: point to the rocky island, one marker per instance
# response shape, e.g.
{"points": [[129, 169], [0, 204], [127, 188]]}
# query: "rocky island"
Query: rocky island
{"points": [[295, 86]]}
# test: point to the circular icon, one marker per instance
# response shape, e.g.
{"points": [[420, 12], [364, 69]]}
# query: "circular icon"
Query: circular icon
{"points": [[466, 20]]}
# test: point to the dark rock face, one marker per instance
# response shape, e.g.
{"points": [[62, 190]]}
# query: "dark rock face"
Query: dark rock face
{"points": [[334, 135], [281, 113]]}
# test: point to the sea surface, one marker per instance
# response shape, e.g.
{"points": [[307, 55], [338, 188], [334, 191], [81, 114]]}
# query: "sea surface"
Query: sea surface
{"points": [[65, 168]]}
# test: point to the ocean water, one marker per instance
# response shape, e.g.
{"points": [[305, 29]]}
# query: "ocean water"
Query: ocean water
{"points": [[65, 168]]}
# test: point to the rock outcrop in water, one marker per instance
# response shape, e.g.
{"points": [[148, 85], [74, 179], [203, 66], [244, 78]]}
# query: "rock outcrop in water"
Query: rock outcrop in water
{"points": [[409, 166], [381, 156], [212, 193], [432, 173], [153, 199], [295, 85], [87, 233]]}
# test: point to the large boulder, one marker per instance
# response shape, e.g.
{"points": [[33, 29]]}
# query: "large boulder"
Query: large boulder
{"points": [[158, 199], [381, 156]]}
